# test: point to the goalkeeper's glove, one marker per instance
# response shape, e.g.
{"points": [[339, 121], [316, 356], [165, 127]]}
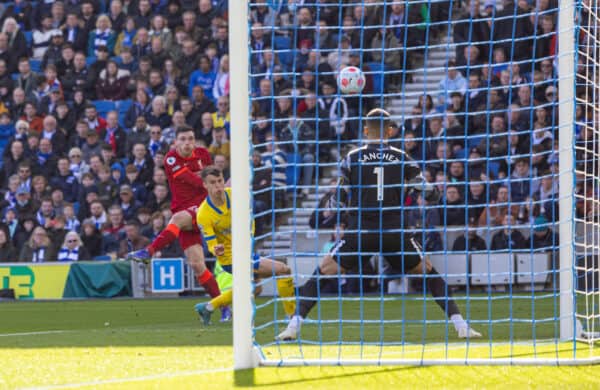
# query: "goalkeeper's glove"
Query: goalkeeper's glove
{"points": [[429, 191]]}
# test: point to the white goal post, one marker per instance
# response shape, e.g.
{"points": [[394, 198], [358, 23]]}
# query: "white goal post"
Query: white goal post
{"points": [[246, 354]]}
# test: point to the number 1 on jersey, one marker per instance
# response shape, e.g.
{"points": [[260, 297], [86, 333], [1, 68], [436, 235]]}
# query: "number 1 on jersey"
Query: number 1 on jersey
{"points": [[379, 172]]}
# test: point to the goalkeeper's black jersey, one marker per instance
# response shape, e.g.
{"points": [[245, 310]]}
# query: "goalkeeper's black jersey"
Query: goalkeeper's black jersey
{"points": [[372, 185]]}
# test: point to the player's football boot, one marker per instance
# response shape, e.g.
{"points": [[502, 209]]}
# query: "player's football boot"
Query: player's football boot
{"points": [[203, 312], [225, 314], [289, 334], [141, 256], [470, 333]]}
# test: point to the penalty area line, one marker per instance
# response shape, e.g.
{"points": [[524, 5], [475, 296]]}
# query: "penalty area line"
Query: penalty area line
{"points": [[130, 379]]}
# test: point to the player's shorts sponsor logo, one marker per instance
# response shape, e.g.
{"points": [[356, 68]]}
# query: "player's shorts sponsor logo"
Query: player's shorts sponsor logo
{"points": [[171, 160]]}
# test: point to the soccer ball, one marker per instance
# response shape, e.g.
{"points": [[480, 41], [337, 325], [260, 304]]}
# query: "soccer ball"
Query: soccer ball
{"points": [[351, 80]]}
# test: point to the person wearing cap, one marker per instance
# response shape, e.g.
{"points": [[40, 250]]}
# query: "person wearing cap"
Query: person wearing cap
{"points": [[92, 145], [128, 203], [543, 237], [471, 241], [25, 206]]}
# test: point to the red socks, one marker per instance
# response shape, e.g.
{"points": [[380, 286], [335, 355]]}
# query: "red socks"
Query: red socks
{"points": [[207, 280], [165, 238]]}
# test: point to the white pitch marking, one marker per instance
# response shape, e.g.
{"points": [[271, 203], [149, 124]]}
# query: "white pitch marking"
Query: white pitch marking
{"points": [[34, 333]]}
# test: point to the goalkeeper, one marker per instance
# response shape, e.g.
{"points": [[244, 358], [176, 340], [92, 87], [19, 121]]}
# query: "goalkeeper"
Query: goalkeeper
{"points": [[214, 220], [371, 188]]}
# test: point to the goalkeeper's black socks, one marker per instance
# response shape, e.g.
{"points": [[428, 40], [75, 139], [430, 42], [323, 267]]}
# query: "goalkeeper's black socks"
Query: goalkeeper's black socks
{"points": [[437, 286], [309, 292]]}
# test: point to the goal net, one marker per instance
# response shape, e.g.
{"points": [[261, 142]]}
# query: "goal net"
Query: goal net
{"points": [[496, 103]]}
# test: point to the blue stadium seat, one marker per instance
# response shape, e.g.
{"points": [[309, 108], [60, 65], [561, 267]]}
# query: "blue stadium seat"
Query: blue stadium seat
{"points": [[14, 76], [122, 107], [28, 37], [293, 170], [90, 60], [36, 65], [104, 106], [284, 43], [494, 167], [376, 72]]}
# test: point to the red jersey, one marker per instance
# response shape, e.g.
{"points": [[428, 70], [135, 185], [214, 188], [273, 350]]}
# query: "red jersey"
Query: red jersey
{"points": [[187, 189]]}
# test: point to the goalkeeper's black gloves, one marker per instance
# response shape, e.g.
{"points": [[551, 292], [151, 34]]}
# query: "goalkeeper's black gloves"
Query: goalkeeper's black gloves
{"points": [[429, 191]]}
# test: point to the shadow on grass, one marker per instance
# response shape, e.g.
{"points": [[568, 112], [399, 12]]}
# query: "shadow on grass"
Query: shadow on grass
{"points": [[247, 378]]}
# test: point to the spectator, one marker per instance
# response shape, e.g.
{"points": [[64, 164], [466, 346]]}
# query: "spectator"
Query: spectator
{"points": [[46, 159], [78, 77], [17, 105], [77, 164], [34, 121], [116, 15], [543, 237], [41, 37], [65, 118], [221, 117], [177, 121], [53, 53], [157, 116], [107, 188], [74, 33], [508, 238], [275, 159], [127, 36], [470, 242], [139, 108], [71, 221], [15, 157], [221, 85], [20, 11], [220, 143], [65, 180], [159, 197], [92, 146], [103, 35], [203, 77], [38, 248], [143, 163], [133, 239], [143, 14], [128, 203], [27, 79], [96, 211], [73, 249], [453, 82], [453, 213], [113, 83], [201, 103], [521, 183], [91, 238], [8, 253]]}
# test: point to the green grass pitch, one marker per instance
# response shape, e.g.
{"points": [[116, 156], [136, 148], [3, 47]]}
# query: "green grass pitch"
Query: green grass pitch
{"points": [[145, 344]]}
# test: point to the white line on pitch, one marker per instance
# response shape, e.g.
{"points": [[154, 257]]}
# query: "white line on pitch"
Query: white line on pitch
{"points": [[34, 333], [131, 379]]}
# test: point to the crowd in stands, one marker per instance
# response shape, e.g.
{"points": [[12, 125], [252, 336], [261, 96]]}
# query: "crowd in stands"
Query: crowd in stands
{"points": [[91, 92]]}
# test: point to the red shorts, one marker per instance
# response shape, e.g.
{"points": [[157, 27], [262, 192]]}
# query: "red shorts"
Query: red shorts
{"points": [[188, 238]]}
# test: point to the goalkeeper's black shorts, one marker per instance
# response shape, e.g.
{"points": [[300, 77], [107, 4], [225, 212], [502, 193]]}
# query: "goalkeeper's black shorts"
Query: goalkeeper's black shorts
{"points": [[401, 250]]}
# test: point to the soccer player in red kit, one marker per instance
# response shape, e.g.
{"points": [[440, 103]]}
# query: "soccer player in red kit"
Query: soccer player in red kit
{"points": [[183, 166]]}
